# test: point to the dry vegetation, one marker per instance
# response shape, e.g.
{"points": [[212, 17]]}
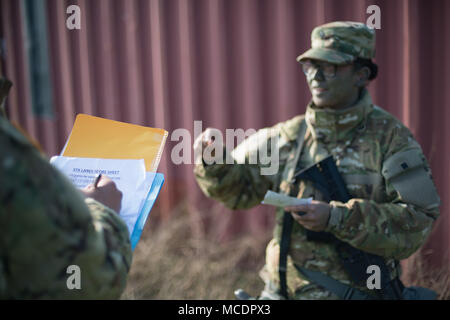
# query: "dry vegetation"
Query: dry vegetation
{"points": [[172, 261], [437, 280]]}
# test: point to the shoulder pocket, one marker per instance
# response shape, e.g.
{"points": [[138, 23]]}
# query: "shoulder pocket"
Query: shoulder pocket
{"points": [[407, 173]]}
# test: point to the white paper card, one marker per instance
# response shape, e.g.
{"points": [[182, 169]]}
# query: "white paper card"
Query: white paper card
{"points": [[282, 200]]}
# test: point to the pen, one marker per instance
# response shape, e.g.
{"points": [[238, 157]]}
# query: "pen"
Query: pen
{"points": [[97, 179]]}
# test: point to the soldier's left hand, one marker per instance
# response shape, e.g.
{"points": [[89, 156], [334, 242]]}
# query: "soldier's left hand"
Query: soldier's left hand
{"points": [[316, 217]]}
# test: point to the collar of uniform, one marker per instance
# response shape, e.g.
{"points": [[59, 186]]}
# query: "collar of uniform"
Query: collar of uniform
{"points": [[328, 124]]}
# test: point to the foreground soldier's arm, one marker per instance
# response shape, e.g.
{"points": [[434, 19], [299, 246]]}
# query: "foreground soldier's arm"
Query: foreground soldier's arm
{"points": [[242, 186], [398, 228], [47, 225]]}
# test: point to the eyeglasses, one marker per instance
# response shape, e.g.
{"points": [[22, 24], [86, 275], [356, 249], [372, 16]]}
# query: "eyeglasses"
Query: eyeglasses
{"points": [[327, 69]]}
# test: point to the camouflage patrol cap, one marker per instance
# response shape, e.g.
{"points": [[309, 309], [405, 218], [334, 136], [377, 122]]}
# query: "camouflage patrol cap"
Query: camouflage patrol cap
{"points": [[341, 42]]}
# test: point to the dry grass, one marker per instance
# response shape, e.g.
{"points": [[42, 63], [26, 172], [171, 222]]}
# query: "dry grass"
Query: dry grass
{"points": [[175, 261], [424, 276], [172, 262]]}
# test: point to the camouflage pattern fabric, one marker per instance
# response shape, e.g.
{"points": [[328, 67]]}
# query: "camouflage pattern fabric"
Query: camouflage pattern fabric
{"points": [[375, 220], [341, 42], [46, 225]]}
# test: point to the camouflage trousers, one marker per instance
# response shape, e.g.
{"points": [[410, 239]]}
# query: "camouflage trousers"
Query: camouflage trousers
{"points": [[307, 292]]}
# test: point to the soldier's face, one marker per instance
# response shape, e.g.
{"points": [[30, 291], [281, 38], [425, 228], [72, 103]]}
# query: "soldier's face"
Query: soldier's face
{"points": [[336, 90]]}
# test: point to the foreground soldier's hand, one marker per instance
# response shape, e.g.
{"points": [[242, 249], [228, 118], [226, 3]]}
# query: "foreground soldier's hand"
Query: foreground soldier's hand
{"points": [[106, 192], [316, 217]]}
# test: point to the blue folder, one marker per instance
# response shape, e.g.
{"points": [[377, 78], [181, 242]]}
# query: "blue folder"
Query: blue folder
{"points": [[158, 181]]}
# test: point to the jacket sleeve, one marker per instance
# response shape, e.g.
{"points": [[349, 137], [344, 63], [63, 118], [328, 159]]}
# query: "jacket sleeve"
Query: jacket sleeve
{"points": [[237, 186], [243, 184], [47, 225], [398, 227]]}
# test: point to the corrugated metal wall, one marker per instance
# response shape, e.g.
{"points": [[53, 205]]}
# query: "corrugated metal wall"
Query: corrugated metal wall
{"points": [[231, 64]]}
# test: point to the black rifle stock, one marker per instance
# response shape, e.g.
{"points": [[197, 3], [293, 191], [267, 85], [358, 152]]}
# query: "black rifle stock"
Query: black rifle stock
{"points": [[326, 178]]}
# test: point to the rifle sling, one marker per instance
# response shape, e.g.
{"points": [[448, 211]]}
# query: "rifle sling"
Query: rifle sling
{"points": [[286, 228]]}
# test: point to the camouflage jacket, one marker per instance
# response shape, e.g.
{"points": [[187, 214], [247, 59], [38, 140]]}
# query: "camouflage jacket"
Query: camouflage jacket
{"points": [[46, 225], [362, 140]]}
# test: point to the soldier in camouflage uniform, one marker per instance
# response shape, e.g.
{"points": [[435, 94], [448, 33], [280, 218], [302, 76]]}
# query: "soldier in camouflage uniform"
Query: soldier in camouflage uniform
{"points": [[394, 202], [46, 225]]}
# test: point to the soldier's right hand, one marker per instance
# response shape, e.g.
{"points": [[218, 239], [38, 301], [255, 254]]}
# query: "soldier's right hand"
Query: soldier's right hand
{"points": [[205, 139], [106, 192]]}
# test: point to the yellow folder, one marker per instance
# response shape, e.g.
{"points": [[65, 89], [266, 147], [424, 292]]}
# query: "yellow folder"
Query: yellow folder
{"points": [[94, 137]]}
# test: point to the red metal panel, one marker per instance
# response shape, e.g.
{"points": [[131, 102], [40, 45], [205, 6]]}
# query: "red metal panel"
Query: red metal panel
{"points": [[229, 63]]}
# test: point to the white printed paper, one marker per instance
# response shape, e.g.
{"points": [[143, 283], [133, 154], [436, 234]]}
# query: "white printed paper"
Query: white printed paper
{"points": [[282, 200], [129, 175]]}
